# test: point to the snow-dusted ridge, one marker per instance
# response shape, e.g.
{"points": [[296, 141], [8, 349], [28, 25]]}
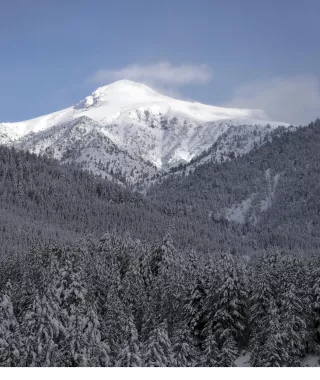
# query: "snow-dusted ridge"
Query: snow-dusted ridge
{"points": [[149, 126]]}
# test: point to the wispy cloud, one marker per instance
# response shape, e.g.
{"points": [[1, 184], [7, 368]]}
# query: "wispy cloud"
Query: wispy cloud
{"points": [[158, 74], [294, 100]]}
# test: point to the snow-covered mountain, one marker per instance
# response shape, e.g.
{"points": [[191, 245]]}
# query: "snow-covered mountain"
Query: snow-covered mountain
{"points": [[85, 142], [129, 129]]}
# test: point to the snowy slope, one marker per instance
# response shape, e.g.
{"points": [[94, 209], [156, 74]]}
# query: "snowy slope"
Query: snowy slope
{"points": [[84, 142], [149, 126], [236, 141], [233, 140]]}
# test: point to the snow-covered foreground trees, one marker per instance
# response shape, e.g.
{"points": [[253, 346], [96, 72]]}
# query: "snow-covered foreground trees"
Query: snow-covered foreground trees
{"points": [[280, 311], [120, 302], [10, 339]]}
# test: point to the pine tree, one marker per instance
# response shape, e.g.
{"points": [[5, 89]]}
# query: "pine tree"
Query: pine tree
{"points": [[113, 312], [314, 334], [97, 351], [295, 304], [196, 311], [229, 351], [210, 352], [228, 322], [41, 331], [294, 326], [98, 272], [74, 315], [134, 295], [274, 352], [184, 353], [264, 290], [71, 292], [25, 294], [158, 349], [168, 287], [260, 312], [130, 354], [163, 257], [11, 353]]}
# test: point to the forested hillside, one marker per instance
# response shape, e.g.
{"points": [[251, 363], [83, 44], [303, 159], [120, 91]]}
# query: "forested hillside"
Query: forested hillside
{"points": [[269, 197], [44, 202]]}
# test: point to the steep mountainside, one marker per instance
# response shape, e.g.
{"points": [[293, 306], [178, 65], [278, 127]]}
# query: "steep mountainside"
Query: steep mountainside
{"points": [[269, 196], [266, 198], [85, 142], [43, 202], [235, 142], [150, 131]]}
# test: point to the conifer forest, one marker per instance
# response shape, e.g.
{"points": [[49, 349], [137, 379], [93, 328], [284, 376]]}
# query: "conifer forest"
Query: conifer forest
{"points": [[200, 269]]}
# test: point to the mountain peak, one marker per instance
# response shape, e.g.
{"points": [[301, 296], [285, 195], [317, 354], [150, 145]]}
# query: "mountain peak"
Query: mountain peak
{"points": [[146, 124], [126, 91], [123, 85]]}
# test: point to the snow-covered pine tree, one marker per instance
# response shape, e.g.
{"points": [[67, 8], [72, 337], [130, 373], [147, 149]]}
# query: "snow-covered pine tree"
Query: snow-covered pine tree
{"points": [[228, 323], [11, 352], [74, 348], [95, 270], [294, 326], [184, 353], [210, 352], [25, 294], [315, 305], [163, 257], [97, 351], [229, 351], [261, 300], [130, 354], [168, 284], [113, 313], [196, 313], [80, 315], [295, 308], [158, 348], [133, 290], [98, 275], [274, 353], [41, 329]]}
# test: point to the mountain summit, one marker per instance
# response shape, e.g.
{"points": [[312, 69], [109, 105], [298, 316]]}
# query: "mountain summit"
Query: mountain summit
{"points": [[109, 103], [150, 128], [122, 93]]}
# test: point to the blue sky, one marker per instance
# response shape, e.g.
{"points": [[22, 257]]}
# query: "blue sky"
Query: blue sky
{"points": [[259, 54]]}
